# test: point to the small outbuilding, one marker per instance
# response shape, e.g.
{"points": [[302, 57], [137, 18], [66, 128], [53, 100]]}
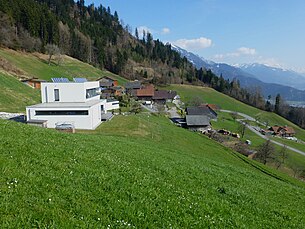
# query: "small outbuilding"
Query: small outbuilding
{"points": [[33, 82]]}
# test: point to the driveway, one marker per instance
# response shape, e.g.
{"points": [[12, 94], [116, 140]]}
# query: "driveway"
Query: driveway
{"points": [[150, 109], [173, 113]]}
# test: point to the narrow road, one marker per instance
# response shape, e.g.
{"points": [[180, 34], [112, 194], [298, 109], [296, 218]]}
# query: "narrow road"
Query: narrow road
{"points": [[252, 128], [275, 142]]}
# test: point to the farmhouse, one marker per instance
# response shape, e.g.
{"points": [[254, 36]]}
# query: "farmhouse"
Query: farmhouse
{"points": [[107, 82], [146, 93], [131, 87], [283, 131], [64, 102], [198, 122], [202, 110], [163, 96]]}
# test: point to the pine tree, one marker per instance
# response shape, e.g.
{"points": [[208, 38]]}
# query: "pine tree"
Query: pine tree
{"points": [[277, 104], [137, 34]]}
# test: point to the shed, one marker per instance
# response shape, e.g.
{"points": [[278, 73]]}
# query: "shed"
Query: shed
{"points": [[33, 82]]}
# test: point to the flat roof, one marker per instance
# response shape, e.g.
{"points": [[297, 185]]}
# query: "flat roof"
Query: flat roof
{"points": [[38, 121], [66, 105]]}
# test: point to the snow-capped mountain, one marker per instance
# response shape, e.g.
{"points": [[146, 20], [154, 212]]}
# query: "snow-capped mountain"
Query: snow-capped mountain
{"points": [[193, 58], [270, 74], [246, 79]]}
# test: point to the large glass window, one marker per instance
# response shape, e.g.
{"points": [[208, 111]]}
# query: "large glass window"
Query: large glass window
{"points": [[91, 92], [56, 94], [77, 112]]}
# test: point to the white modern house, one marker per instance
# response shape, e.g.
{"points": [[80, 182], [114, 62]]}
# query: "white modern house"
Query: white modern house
{"points": [[77, 103]]}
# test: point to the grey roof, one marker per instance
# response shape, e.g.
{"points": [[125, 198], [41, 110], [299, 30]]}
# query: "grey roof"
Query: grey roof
{"points": [[105, 84], [163, 94], [133, 85], [197, 120], [106, 78], [202, 110]]}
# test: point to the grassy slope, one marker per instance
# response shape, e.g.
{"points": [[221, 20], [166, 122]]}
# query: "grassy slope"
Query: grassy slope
{"points": [[151, 178], [225, 102], [36, 65], [14, 95]]}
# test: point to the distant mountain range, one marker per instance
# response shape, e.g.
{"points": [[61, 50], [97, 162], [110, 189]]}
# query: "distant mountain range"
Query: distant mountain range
{"points": [[288, 83], [269, 74]]}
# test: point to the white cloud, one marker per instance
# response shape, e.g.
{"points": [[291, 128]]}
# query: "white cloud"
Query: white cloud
{"points": [[242, 51], [165, 31], [246, 51], [194, 44], [144, 28]]}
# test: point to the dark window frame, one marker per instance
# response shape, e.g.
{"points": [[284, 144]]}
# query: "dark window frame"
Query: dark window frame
{"points": [[56, 94], [61, 112], [91, 92]]}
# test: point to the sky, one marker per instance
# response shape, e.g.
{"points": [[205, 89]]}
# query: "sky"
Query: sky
{"points": [[271, 32]]}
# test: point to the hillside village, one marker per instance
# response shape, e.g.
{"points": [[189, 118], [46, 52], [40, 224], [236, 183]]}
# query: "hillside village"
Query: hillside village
{"points": [[88, 103], [103, 127], [81, 104]]}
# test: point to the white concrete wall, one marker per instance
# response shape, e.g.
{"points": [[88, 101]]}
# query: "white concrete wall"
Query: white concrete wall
{"points": [[95, 113], [108, 106], [90, 121], [68, 92]]}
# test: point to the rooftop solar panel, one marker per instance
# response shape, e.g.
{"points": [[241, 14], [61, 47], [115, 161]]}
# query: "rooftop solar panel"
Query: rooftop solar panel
{"points": [[60, 80], [80, 80]]}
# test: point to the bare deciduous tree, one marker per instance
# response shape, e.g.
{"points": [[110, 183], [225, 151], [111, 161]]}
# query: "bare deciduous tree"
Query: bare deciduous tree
{"points": [[281, 157], [52, 49], [265, 152], [64, 38], [242, 128], [234, 115]]}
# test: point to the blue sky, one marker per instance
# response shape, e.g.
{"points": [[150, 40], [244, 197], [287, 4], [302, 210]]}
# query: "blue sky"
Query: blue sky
{"points": [[235, 31]]}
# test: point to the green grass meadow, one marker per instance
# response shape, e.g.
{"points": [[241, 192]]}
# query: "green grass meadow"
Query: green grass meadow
{"points": [[136, 171], [150, 174], [14, 95], [36, 65]]}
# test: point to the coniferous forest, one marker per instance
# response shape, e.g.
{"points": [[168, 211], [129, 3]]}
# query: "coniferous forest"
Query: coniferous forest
{"points": [[96, 35]]}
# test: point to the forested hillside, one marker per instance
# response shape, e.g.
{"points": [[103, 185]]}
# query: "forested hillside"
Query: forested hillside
{"points": [[91, 34], [95, 35]]}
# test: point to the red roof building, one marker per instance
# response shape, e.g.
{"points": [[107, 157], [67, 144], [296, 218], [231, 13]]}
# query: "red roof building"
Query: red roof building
{"points": [[147, 92]]}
